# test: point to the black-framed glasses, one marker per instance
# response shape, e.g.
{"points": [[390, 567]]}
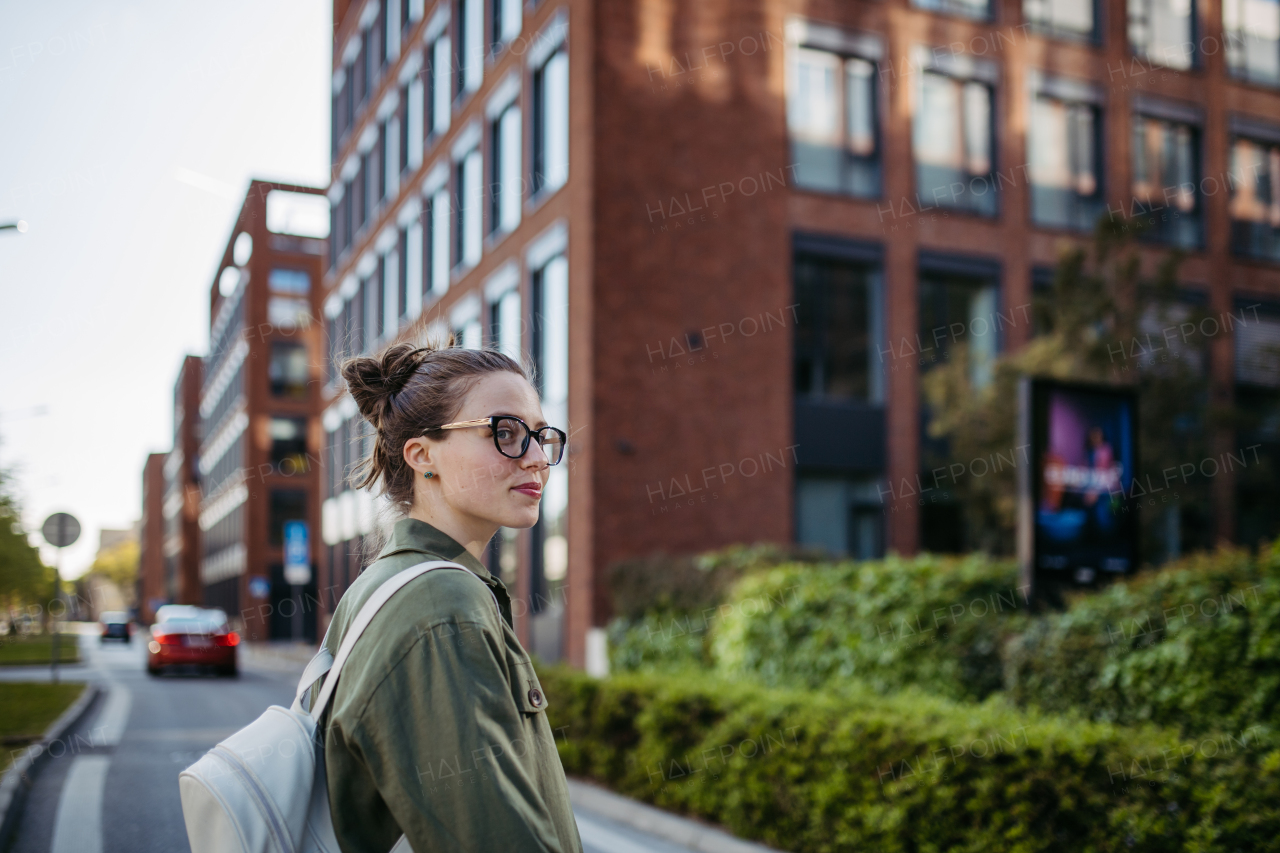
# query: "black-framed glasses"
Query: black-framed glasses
{"points": [[511, 436]]}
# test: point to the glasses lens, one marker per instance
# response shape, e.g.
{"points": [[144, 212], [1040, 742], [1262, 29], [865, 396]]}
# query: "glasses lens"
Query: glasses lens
{"points": [[552, 442], [511, 436]]}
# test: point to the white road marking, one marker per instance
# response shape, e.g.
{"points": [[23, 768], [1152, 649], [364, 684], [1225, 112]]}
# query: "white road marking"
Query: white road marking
{"points": [[78, 826], [114, 716]]}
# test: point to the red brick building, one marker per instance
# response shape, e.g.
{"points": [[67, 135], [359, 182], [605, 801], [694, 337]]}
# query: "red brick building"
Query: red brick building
{"points": [[258, 463], [733, 236], [151, 581], [181, 506]]}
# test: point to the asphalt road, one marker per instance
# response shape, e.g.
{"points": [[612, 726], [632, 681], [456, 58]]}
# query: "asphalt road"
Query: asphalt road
{"points": [[113, 785]]}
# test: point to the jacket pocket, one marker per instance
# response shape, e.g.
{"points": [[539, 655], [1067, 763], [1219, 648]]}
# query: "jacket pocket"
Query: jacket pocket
{"points": [[526, 690]]}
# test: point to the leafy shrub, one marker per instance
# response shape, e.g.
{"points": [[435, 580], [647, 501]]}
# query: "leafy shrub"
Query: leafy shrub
{"points": [[663, 605], [1195, 646], [687, 584], [821, 772], [933, 621]]}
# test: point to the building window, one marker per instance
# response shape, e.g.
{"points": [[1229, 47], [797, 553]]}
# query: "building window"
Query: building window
{"points": [[288, 372], [438, 261], [331, 334], [360, 78], [954, 144], [551, 123], [1166, 172], [1064, 141], [507, 15], [381, 190], [469, 335], [361, 188], [297, 282], [504, 213], [843, 516], [837, 321], [348, 215], [959, 310], [1252, 32], [383, 27], [469, 207], [550, 349], [831, 116], [410, 125], [470, 45], [1163, 31], [380, 299], [439, 100], [289, 445], [284, 505], [1255, 198], [1061, 18], [504, 323], [980, 9], [402, 274]]}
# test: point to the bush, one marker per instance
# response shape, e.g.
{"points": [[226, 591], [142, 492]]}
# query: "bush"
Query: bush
{"points": [[1195, 646], [660, 602], [933, 621], [823, 772]]}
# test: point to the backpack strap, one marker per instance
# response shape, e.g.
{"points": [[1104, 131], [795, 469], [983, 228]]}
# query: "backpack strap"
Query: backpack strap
{"points": [[320, 665]]}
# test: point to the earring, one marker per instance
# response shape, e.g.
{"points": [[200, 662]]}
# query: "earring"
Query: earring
{"points": [[428, 475]]}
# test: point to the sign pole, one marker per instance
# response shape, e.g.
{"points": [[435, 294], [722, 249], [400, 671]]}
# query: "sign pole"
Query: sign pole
{"points": [[57, 588], [59, 530]]}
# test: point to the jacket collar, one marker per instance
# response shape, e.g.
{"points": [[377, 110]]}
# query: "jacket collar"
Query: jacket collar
{"points": [[413, 535]]}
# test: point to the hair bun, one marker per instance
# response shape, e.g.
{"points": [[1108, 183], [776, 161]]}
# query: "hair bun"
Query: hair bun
{"points": [[374, 380]]}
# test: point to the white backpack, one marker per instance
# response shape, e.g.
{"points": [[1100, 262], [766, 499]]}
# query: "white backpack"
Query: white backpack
{"points": [[263, 790]]}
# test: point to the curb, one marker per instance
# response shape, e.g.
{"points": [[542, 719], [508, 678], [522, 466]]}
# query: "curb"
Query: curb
{"points": [[690, 833], [18, 778]]}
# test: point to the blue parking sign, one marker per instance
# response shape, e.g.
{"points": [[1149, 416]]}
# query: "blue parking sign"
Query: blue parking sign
{"points": [[297, 553]]}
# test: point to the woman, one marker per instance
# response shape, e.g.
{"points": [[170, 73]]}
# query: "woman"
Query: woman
{"points": [[437, 728]]}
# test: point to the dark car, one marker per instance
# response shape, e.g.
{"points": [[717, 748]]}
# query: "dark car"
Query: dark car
{"points": [[189, 636], [115, 626]]}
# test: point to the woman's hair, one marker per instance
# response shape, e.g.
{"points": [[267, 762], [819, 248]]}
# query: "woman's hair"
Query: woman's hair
{"points": [[407, 391]]}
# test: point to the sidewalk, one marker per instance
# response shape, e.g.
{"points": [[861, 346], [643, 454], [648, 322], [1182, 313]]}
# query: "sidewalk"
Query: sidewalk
{"points": [[277, 655], [604, 818]]}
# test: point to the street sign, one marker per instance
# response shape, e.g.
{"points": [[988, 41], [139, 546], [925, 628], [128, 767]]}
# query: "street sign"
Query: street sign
{"points": [[297, 553], [259, 587], [61, 529]]}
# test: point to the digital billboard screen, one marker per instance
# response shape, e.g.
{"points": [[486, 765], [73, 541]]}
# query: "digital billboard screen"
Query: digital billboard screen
{"points": [[1084, 452]]}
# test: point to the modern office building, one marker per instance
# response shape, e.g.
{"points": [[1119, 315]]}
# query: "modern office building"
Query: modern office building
{"points": [[181, 505], [733, 237], [152, 591], [258, 462]]}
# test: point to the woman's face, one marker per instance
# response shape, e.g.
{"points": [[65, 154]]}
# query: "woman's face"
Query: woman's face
{"points": [[472, 481]]}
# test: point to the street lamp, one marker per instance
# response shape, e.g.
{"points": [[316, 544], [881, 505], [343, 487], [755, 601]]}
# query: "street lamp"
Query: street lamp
{"points": [[20, 226]]}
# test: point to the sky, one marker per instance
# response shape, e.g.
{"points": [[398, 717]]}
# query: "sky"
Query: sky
{"points": [[132, 130]]}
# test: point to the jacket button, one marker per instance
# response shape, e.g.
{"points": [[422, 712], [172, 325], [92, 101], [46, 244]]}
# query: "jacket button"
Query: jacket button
{"points": [[535, 697]]}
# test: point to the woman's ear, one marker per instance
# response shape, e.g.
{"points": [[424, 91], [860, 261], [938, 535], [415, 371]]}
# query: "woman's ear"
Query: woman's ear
{"points": [[417, 454]]}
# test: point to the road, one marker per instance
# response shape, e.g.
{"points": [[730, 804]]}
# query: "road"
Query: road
{"points": [[113, 787]]}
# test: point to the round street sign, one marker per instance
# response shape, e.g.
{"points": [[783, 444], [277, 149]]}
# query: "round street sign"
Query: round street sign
{"points": [[61, 529]]}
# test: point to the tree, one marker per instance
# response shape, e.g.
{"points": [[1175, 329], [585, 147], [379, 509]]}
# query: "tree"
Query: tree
{"points": [[24, 579], [1101, 320], [119, 565]]}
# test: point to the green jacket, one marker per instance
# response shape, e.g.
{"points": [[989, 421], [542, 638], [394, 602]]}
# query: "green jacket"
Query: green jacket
{"points": [[438, 725]]}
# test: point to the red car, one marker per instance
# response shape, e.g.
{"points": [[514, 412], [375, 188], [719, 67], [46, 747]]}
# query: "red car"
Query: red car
{"points": [[185, 635]]}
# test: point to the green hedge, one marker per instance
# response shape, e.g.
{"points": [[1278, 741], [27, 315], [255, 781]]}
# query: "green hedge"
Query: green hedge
{"points": [[805, 771], [665, 605], [1195, 646], [933, 621]]}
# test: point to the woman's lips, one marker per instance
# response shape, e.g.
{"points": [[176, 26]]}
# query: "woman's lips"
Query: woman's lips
{"points": [[533, 490]]}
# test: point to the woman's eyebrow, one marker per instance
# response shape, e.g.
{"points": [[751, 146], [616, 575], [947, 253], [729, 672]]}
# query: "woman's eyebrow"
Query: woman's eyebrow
{"points": [[538, 424]]}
